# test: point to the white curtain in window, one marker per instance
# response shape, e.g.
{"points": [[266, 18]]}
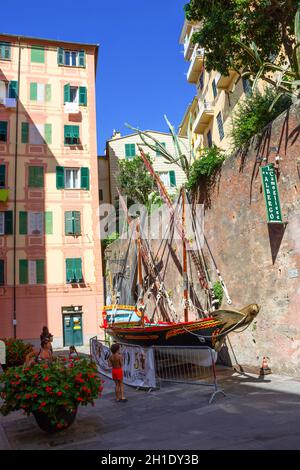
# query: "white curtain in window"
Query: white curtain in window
{"points": [[72, 178], [31, 272], [36, 134], [2, 226], [40, 92], [36, 223], [2, 90]]}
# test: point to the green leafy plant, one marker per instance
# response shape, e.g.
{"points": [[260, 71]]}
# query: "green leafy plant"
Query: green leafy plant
{"points": [[110, 239], [47, 388], [16, 351], [218, 291], [254, 113], [204, 169]]}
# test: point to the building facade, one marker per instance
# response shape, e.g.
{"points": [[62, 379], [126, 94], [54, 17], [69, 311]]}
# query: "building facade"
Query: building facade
{"points": [[208, 118], [50, 258], [126, 147], [104, 180]]}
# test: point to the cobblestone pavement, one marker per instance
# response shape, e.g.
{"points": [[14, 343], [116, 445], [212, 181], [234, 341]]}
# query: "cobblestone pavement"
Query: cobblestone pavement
{"points": [[255, 414]]}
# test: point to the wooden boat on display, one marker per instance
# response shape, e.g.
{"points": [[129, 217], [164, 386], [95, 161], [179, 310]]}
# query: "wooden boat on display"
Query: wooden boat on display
{"points": [[126, 320], [124, 325]]}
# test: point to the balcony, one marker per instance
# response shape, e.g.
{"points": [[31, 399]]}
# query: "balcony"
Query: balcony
{"points": [[224, 82], [188, 45], [196, 65], [205, 114]]}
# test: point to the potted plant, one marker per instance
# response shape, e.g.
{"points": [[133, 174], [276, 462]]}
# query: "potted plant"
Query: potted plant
{"points": [[16, 351], [51, 392]]}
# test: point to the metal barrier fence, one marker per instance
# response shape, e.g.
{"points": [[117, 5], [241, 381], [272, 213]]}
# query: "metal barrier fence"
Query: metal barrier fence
{"points": [[193, 365]]}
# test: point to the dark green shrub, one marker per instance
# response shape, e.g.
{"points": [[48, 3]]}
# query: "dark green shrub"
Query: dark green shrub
{"points": [[205, 168], [16, 351], [218, 291], [254, 113]]}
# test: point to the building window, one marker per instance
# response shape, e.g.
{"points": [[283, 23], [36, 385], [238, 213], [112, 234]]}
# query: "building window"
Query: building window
{"points": [[38, 134], [214, 88], [201, 81], [130, 151], [35, 177], [168, 178], [247, 86], [72, 223], [2, 176], [158, 153], [1, 272], [3, 131], [37, 54], [100, 195], [74, 270], [35, 223], [32, 271], [71, 135], [220, 126], [6, 223], [71, 58], [72, 178], [75, 94], [40, 92], [209, 139], [5, 50], [8, 90]]}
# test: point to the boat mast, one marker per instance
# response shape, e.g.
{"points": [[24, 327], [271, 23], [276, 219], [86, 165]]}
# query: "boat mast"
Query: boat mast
{"points": [[184, 262], [140, 270]]}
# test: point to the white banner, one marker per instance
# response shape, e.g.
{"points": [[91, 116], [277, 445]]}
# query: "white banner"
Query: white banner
{"points": [[138, 363]]}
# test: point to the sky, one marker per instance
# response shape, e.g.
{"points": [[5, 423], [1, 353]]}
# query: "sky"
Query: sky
{"points": [[141, 71]]}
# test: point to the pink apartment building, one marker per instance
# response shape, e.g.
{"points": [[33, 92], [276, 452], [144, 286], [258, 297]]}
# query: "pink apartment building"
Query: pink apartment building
{"points": [[50, 258]]}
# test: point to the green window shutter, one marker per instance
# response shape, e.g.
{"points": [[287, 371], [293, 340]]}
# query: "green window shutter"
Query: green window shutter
{"points": [[13, 89], [3, 130], [60, 177], [35, 177], [48, 92], [31, 176], [78, 269], [37, 54], [1, 272], [5, 50], [75, 131], [67, 133], [23, 271], [69, 223], [129, 150], [48, 223], [23, 223], [172, 178], [82, 96], [24, 132], [33, 91], [85, 178], [40, 271], [158, 154], [69, 270], [67, 93], [8, 222], [76, 223], [48, 133], [2, 176], [60, 56], [81, 59]]}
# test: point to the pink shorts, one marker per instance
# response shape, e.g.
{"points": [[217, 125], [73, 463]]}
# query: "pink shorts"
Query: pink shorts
{"points": [[117, 374]]}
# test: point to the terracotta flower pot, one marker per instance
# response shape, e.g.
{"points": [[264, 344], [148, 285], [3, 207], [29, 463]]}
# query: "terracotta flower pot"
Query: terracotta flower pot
{"points": [[44, 422]]}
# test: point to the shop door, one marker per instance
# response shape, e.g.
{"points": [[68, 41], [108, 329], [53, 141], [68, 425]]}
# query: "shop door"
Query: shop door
{"points": [[72, 324]]}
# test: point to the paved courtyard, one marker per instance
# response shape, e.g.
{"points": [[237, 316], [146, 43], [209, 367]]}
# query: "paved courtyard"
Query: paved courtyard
{"points": [[255, 414]]}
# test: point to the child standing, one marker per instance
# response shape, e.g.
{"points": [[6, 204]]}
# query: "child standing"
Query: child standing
{"points": [[116, 362]]}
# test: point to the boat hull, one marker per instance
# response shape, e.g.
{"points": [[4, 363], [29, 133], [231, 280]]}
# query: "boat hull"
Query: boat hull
{"points": [[209, 331]]}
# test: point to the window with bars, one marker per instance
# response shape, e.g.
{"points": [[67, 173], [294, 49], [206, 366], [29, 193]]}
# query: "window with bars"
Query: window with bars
{"points": [[220, 125]]}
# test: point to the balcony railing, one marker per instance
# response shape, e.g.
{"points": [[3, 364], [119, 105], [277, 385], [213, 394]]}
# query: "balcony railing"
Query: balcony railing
{"points": [[188, 45], [196, 65], [205, 114]]}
